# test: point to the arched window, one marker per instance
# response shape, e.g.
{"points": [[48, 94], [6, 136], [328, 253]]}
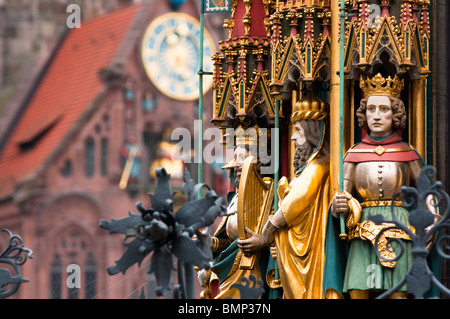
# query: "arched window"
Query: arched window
{"points": [[89, 156], [91, 277], [56, 277], [104, 157], [67, 169], [74, 250]]}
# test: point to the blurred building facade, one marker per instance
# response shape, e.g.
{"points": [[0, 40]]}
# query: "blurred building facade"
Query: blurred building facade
{"points": [[29, 33], [70, 124], [76, 102]]}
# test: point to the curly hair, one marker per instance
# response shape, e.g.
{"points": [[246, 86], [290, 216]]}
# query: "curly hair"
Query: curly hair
{"points": [[398, 110]]}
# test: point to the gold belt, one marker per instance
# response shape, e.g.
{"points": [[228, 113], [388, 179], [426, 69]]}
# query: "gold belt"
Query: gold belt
{"points": [[368, 230], [376, 203]]}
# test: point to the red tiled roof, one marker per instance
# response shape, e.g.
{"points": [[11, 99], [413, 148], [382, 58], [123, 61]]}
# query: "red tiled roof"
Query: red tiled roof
{"points": [[64, 93]]}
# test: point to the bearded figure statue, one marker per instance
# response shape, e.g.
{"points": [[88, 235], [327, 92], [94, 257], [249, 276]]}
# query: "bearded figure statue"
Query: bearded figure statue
{"points": [[297, 229], [227, 251]]}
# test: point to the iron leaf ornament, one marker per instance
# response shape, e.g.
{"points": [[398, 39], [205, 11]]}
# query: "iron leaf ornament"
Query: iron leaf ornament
{"points": [[428, 227], [158, 230]]}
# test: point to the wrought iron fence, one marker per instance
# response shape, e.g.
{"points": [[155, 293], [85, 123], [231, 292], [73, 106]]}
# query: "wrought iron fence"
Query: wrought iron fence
{"points": [[185, 235], [158, 230], [428, 237]]}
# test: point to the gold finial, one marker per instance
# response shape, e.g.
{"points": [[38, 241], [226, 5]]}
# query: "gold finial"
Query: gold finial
{"points": [[311, 107], [378, 85]]}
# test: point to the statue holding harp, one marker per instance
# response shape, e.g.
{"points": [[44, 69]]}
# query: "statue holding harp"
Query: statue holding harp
{"points": [[254, 206], [248, 211]]}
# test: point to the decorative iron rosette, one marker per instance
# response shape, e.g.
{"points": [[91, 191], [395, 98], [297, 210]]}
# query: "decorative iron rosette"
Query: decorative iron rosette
{"points": [[14, 256]]}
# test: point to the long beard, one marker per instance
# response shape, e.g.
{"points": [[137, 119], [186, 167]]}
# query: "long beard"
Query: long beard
{"points": [[237, 178], [302, 154]]}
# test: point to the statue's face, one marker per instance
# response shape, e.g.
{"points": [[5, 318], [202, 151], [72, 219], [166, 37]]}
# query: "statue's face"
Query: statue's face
{"points": [[299, 134], [379, 116], [240, 154]]}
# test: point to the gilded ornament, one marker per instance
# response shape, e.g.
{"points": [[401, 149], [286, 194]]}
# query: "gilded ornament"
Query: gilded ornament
{"points": [[272, 280], [311, 107], [378, 85], [380, 150]]}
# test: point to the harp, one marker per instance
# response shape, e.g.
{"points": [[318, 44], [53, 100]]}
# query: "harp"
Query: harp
{"points": [[254, 204]]}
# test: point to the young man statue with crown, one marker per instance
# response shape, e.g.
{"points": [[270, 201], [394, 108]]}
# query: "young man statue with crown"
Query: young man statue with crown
{"points": [[374, 170]]}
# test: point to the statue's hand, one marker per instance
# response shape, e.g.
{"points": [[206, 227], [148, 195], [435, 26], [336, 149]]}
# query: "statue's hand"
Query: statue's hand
{"points": [[251, 245], [339, 204]]}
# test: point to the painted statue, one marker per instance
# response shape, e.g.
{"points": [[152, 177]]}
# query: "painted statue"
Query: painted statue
{"points": [[227, 267], [131, 157], [374, 170], [297, 229]]}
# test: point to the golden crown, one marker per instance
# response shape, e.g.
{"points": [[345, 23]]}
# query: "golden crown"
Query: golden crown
{"points": [[378, 85], [311, 107], [249, 136]]}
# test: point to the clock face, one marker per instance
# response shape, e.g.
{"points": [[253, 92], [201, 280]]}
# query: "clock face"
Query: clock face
{"points": [[171, 55]]}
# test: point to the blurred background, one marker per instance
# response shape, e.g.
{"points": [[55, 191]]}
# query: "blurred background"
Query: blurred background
{"points": [[88, 102]]}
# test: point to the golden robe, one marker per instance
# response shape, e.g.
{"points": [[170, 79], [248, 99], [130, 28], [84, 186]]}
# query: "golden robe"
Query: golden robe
{"points": [[301, 243], [225, 291]]}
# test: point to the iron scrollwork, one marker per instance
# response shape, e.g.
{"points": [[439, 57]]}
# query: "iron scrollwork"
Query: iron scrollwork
{"points": [[14, 256], [250, 288], [428, 230], [184, 234]]}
